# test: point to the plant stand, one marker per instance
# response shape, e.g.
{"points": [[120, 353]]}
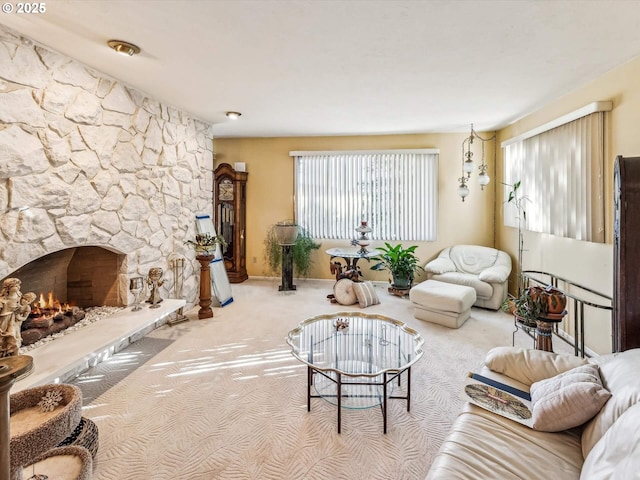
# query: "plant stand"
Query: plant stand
{"points": [[544, 333], [287, 269], [205, 286], [399, 292], [10, 369]]}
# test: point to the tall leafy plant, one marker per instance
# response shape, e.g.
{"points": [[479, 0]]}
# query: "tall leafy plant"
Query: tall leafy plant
{"points": [[518, 200]]}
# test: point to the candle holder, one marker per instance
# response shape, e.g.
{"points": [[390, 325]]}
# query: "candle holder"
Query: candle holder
{"points": [[136, 287]]}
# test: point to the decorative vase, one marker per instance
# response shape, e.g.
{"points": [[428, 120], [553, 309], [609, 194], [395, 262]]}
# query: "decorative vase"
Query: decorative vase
{"points": [[556, 301], [286, 233], [553, 299]]}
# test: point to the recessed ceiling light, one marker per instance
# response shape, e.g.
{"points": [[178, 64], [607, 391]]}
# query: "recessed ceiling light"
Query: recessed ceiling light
{"points": [[233, 115], [123, 48]]}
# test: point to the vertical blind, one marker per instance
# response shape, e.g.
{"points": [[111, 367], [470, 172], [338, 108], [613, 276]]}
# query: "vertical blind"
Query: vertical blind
{"points": [[394, 191], [561, 171]]}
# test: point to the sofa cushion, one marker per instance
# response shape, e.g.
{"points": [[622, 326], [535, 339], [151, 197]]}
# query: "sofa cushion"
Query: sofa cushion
{"points": [[365, 293], [495, 274], [483, 289], [482, 445], [529, 366], [617, 453], [568, 399], [473, 259], [440, 265], [620, 373]]}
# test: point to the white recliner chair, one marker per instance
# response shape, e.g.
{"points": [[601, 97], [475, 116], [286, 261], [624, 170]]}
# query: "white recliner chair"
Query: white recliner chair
{"points": [[485, 269]]}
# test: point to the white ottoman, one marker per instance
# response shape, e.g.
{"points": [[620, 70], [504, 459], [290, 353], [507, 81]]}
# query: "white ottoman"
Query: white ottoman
{"points": [[442, 303]]}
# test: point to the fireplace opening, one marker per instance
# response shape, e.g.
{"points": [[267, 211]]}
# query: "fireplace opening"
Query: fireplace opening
{"points": [[81, 276], [65, 283]]}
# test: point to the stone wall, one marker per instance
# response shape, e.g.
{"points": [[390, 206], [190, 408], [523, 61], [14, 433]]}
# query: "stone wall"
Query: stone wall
{"points": [[86, 160]]}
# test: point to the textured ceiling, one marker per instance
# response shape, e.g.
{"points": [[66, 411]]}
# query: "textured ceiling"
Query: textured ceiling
{"points": [[311, 67]]}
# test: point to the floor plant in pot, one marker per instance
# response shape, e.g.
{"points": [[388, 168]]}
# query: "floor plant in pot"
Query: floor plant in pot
{"points": [[402, 263], [302, 247]]}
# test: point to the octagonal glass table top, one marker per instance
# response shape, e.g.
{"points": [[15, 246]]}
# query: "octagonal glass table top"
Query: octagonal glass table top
{"points": [[363, 351]]}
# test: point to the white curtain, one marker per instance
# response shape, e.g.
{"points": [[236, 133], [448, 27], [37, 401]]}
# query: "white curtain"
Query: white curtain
{"points": [[561, 174], [396, 193]]}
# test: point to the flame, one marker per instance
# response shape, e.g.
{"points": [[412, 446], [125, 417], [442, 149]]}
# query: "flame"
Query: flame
{"points": [[48, 305]]}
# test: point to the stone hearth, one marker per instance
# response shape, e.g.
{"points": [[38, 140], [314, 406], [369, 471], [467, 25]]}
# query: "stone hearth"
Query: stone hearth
{"points": [[64, 358]]}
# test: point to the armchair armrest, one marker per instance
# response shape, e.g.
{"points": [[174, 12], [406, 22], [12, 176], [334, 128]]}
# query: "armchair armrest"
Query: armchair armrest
{"points": [[440, 265], [495, 274], [530, 366]]}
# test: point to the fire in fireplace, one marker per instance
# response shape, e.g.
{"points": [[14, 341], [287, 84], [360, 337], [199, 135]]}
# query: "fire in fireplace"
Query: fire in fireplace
{"points": [[48, 305], [49, 316]]}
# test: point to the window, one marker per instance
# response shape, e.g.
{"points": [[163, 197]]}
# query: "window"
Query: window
{"points": [[561, 170], [395, 191]]}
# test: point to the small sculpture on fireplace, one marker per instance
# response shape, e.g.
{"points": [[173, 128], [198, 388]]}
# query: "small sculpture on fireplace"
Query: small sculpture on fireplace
{"points": [[154, 280], [22, 314], [14, 309]]}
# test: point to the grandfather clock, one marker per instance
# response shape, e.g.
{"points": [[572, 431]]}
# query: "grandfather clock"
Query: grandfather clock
{"points": [[626, 254], [230, 207]]}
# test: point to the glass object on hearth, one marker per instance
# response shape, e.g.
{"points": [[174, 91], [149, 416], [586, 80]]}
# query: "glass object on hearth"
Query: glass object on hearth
{"points": [[136, 287], [363, 241]]}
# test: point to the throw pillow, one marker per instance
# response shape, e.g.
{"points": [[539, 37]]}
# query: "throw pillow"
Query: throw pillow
{"points": [[343, 292], [568, 399], [366, 294], [529, 366]]}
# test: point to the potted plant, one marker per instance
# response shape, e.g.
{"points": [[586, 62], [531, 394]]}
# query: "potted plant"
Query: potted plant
{"points": [[528, 308], [401, 262], [539, 303], [205, 243], [518, 200], [302, 247]]}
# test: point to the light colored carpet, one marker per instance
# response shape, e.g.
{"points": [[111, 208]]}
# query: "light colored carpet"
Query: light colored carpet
{"points": [[225, 399]]}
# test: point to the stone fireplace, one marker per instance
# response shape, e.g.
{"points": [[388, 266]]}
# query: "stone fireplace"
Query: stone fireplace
{"points": [[95, 174]]}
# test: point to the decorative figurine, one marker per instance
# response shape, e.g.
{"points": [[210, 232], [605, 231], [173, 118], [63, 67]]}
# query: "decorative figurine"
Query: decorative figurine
{"points": [[341, 324], [22, 314], [14, 309], [154, 280]]}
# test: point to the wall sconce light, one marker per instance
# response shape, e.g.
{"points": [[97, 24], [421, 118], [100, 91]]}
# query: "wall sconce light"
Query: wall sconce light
{"points": [[233, 115], [468, 166], [124, 48]]}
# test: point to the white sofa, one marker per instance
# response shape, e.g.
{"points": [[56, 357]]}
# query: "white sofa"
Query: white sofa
{"points": [[485, 269], [484, 445]]}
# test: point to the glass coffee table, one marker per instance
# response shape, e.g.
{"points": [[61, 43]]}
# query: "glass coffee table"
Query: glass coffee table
{"points": [[353, 359]]}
